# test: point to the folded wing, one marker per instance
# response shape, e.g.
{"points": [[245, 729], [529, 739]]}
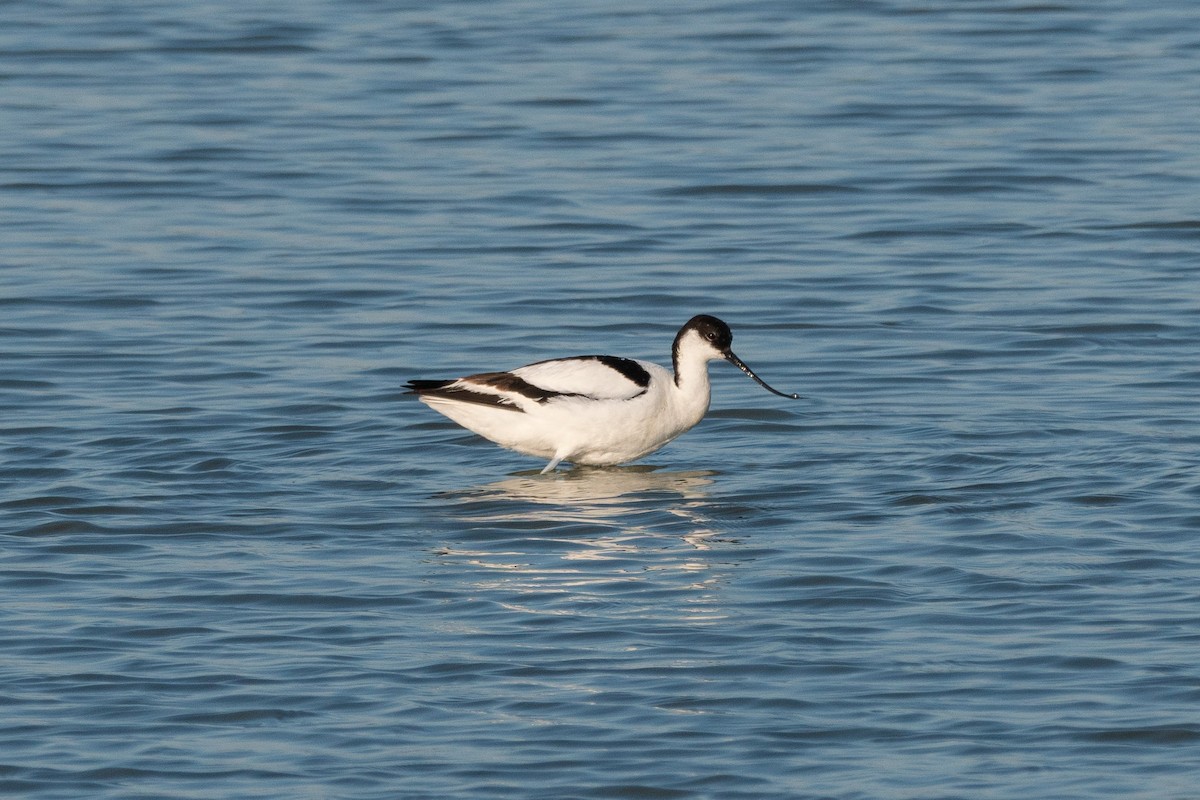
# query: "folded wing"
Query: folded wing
{"points": [[588, 377]]}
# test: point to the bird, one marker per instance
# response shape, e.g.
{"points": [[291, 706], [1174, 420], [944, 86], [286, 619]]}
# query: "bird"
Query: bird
{"points": [[596, 410]]}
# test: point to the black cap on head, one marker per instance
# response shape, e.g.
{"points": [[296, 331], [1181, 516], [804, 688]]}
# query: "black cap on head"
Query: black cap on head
{"points": [[718, 334], [710, 329]]}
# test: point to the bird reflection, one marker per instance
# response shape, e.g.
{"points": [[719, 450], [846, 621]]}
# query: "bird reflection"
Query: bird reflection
{"points": [[599, 490], [607, 496], [589, 534]]}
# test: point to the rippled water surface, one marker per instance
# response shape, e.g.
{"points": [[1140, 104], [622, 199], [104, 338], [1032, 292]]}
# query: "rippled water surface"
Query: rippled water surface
{"points": [[238, 562]]}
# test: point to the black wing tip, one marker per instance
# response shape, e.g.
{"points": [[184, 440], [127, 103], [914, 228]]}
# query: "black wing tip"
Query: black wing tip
{"points": [[418, 386], [462, 394]]}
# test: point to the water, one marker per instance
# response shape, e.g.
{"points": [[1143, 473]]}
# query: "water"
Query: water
{"points": [[237, 562]]}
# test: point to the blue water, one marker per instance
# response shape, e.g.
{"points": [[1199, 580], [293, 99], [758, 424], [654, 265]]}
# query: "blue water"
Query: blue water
{"points": [[237, 562]]}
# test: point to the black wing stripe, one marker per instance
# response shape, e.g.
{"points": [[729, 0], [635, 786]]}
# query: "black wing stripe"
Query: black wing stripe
{"points": [[507, 382], [632, 371], [461, 390]]}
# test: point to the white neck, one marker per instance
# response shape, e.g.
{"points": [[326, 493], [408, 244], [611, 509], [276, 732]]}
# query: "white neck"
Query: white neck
{"points": [[690, 388]]}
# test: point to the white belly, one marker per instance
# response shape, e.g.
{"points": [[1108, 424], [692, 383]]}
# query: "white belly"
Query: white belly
{"points": [[579, 430]]}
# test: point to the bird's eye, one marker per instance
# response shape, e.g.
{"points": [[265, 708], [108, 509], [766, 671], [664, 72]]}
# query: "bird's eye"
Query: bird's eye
{"points": [[711, 336]]}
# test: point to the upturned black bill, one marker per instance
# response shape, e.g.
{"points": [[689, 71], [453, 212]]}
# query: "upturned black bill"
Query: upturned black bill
{"points": [[737, 362]]}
